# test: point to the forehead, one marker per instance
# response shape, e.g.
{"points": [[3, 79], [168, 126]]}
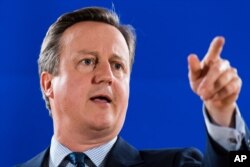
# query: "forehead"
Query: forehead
{"points": [[95, 36]]}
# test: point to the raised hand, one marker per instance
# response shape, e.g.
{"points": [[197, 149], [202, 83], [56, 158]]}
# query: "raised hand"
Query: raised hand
{"points": [[216, 82]]}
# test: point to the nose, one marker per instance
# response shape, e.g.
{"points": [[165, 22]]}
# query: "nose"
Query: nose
{"points": [[103, 74]]}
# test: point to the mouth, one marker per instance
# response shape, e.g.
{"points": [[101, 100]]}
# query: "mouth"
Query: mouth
{"points": [[101, 99]]}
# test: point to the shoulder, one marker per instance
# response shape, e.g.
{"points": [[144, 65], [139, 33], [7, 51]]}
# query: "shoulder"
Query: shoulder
{"points": [[123, 154], [175, 157], [39, 160]]}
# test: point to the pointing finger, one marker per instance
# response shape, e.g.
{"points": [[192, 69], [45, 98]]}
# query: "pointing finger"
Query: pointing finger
{"points": [[214, 50]]}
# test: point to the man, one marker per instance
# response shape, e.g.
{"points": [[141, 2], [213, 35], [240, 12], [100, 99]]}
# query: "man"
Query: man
{"points": [[85, 65]]}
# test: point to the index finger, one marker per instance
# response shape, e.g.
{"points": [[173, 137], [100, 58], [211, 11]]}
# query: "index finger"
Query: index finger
{"points": [[214, 50]]}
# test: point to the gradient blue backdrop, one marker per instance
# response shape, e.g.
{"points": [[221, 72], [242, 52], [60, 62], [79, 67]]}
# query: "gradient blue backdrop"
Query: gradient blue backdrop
{"points": [[163, 111]]}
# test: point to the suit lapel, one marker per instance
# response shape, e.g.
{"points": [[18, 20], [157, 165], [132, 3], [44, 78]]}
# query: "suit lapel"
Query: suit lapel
{"points": [[123, 155], [41, 160]]}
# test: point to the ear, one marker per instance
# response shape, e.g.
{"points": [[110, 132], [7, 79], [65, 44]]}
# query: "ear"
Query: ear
{"points": [[46, 84]]}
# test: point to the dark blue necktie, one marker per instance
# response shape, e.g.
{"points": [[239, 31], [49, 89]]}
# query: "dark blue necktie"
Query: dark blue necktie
{"points": [[77, 159]]}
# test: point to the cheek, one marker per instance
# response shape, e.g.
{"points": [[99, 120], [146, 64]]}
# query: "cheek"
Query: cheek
{"points": [[123, 94], [122, 105], [69, 93], [59, 84]]}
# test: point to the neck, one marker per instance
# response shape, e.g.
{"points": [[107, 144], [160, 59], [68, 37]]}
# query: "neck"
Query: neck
{"points": [[82, 141]]}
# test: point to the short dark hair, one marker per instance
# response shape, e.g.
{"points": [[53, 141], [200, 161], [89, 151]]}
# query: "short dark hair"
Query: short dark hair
{"points": [[49, 57]]}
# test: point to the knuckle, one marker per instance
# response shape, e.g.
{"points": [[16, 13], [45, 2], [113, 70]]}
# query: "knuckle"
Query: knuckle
{"points": [[240, 82], [226, 63], [234, 70], [229, 76], [217, 68], [232, 87]]}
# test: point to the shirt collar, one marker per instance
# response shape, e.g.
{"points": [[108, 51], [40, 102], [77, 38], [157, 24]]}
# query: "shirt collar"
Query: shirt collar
{"points": [[58, 152]]}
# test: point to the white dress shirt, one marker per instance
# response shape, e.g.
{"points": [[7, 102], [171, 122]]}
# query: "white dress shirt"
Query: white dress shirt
{"points": [[229, 138], [97, 155]]}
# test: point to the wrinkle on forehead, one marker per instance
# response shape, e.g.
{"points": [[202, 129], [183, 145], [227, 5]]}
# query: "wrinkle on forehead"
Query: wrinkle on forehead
{"points": [[103, 38], [101, 31]]}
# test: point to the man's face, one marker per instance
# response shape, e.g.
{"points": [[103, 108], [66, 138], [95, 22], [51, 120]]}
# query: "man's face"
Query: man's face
{"points": [[91, 90]]}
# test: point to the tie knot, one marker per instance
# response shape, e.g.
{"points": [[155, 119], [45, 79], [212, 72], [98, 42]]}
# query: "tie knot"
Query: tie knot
{"points": [[76, 158]]}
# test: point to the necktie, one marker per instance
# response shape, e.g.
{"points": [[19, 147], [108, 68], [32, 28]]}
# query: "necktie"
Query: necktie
{"points": [[77, 159]]}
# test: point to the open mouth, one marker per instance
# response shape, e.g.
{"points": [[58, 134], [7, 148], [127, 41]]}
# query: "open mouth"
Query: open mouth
{"points": [[101, 98]]}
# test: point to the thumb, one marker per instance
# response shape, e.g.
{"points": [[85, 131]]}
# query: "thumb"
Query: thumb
{"points": [[194, 66]]}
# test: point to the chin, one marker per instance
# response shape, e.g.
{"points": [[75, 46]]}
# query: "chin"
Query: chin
{"points": [[100, 124]]}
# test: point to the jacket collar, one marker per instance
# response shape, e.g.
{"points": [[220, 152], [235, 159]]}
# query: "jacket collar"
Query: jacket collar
{"points": [[123, 155], [41, 160]]}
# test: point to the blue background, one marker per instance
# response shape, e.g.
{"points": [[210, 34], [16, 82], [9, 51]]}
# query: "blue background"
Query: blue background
{"points": [[163, 110]]}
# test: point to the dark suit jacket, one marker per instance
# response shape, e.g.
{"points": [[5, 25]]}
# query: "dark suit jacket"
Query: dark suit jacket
{"points": [[124, 155]]}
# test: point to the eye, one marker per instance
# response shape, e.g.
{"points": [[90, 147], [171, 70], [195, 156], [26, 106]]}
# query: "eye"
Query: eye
{"points": [[118, 66], [88, 61]]}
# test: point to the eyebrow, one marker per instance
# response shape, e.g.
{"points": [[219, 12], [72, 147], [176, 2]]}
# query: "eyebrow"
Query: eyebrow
{"points": [[88, 52], [96, 54], [117, 57]]}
